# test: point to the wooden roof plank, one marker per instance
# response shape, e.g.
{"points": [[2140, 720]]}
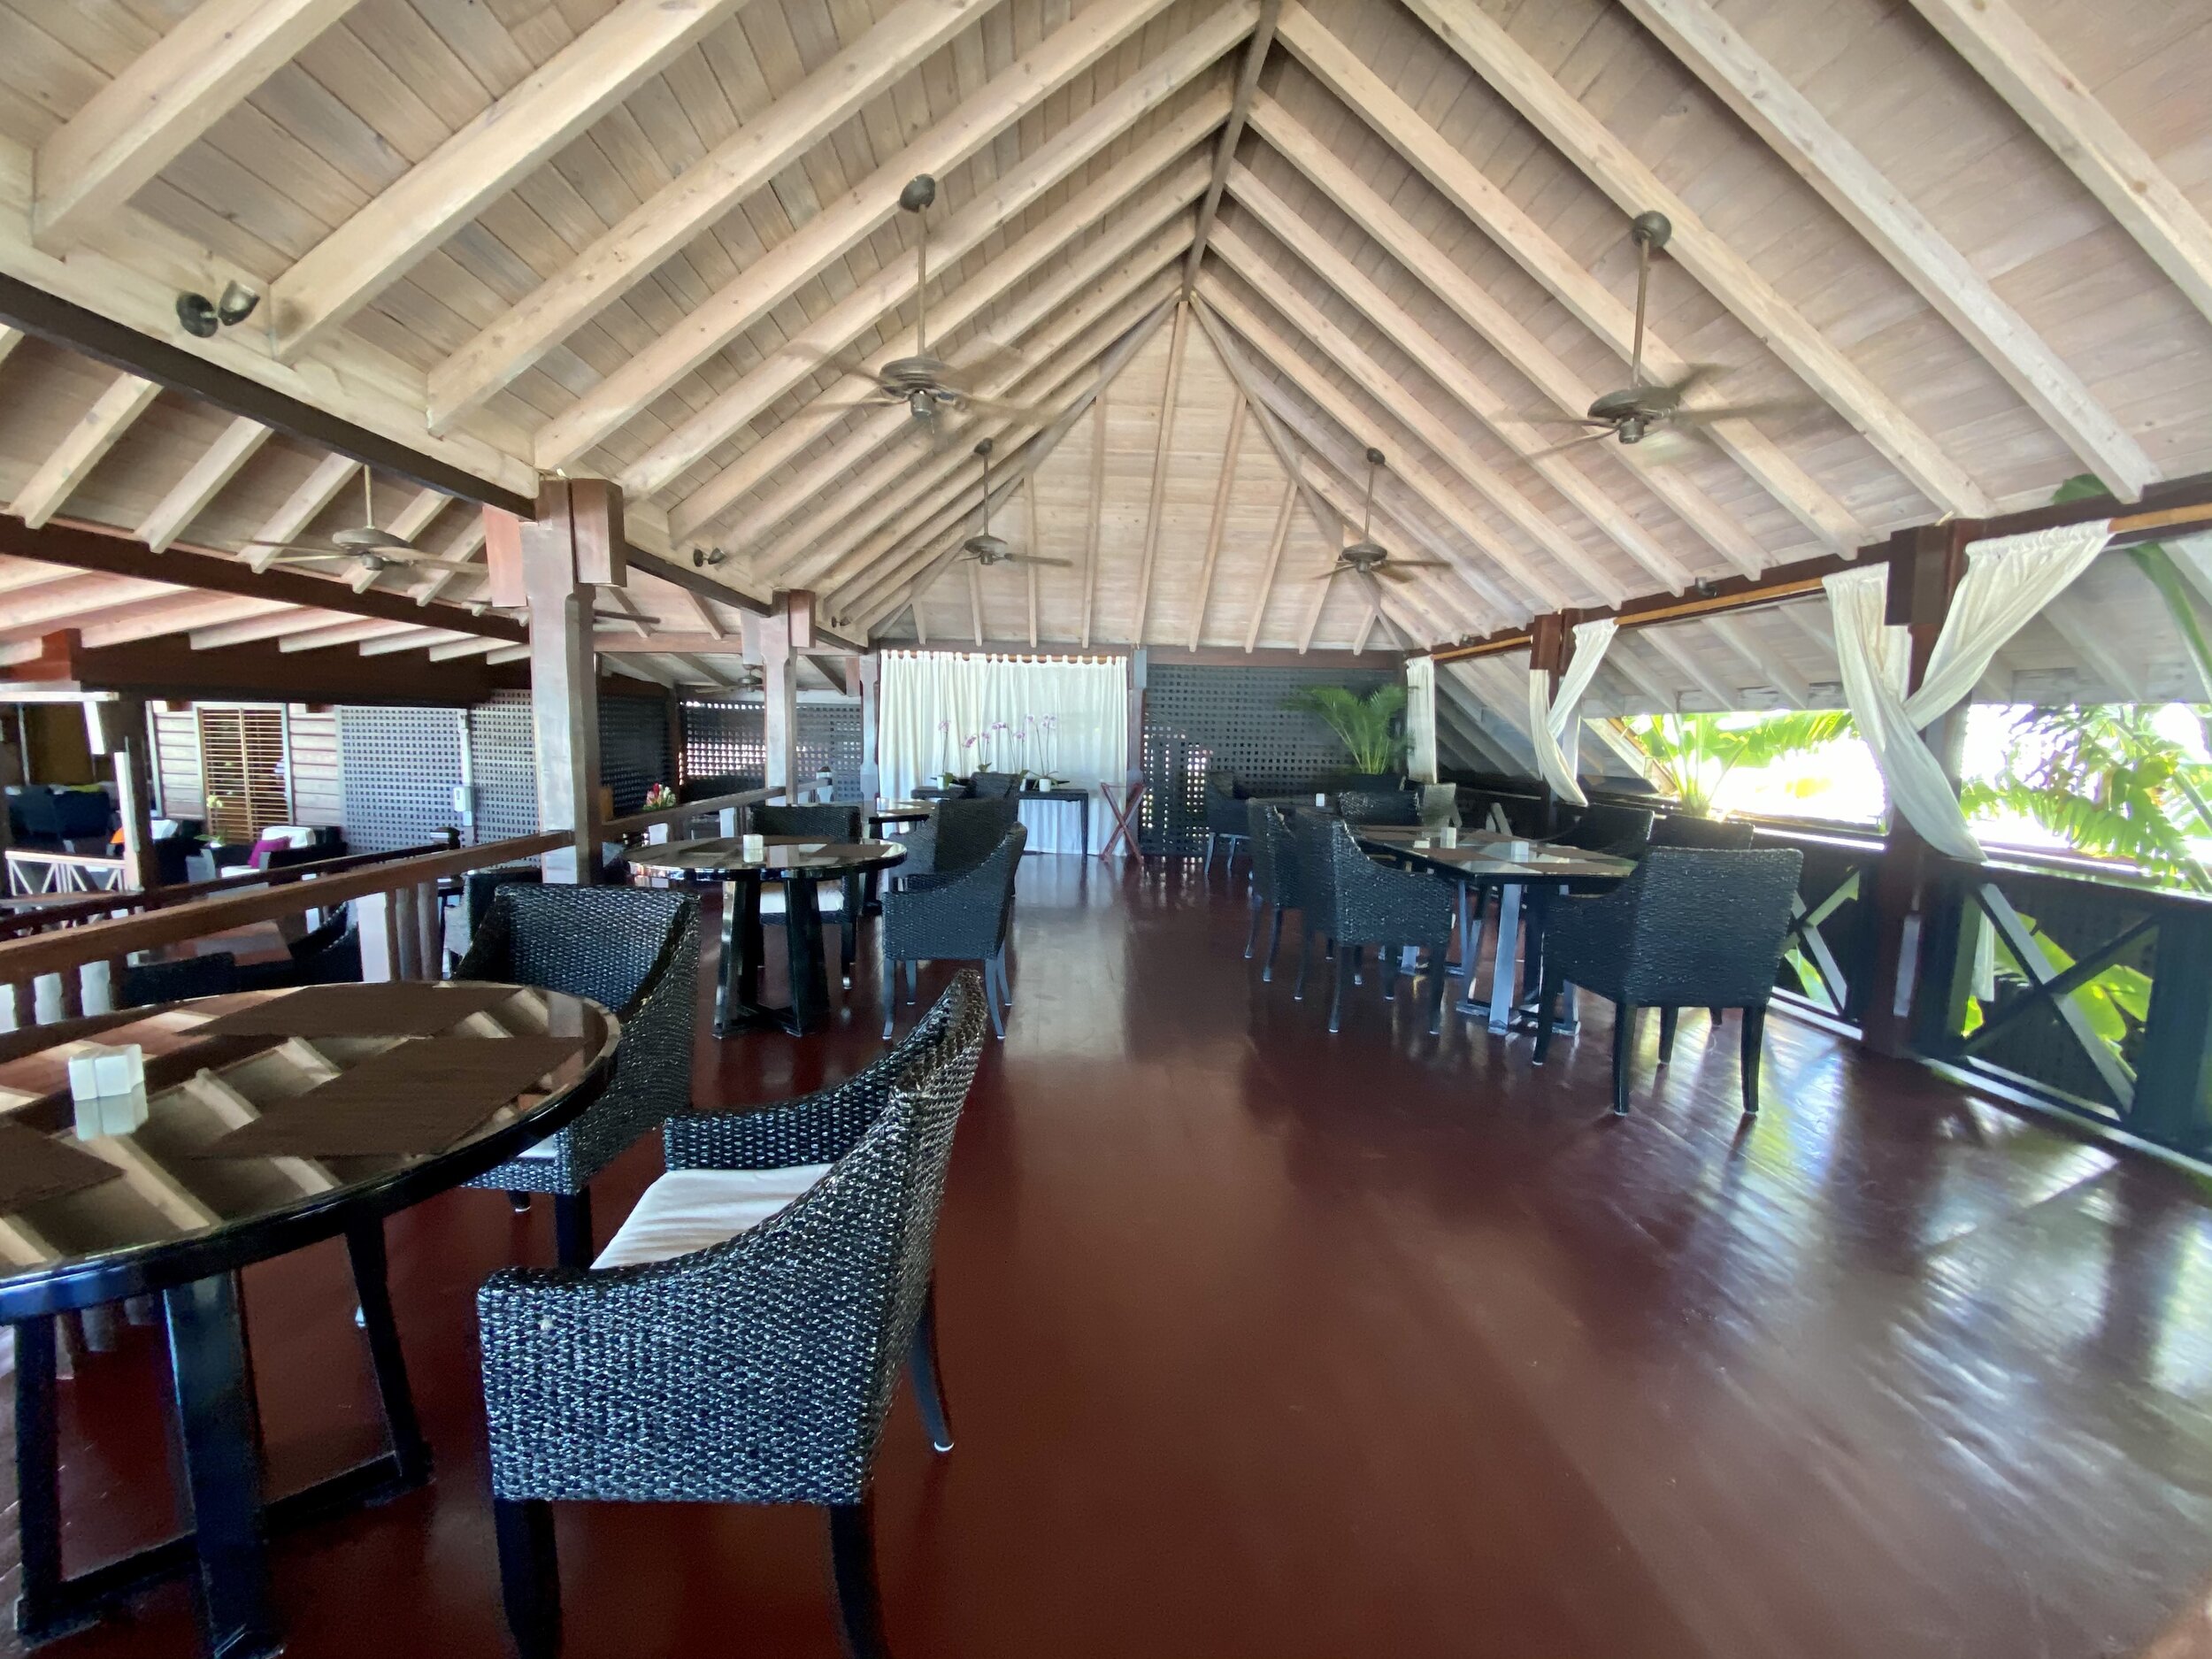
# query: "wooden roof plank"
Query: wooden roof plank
{"points": [[1856, 188], [1547, 106], [707, 327], [481, 160], [2085, 134], [189, 496], [690, 204], [172, 93], [94, 434]]}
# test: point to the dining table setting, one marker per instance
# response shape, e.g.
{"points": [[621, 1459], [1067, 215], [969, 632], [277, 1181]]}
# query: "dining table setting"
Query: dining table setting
{"points": [[148, 1155], [1525, 875]]}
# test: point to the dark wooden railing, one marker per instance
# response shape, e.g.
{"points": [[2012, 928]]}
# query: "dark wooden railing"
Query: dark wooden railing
{"points": [[395, 907]]}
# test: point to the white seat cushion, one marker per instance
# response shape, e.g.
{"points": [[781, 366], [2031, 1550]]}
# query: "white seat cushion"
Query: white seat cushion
{"points": [[689, 1209], [829, 899]]}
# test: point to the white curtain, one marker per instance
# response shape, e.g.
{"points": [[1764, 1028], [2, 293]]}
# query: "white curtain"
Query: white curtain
{"points": [[1551, 720], [2008, 581], [1065, 717], [1421, 719]]}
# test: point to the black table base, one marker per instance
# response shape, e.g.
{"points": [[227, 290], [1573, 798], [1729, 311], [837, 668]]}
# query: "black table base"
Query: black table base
{"points": [[737, 1003], [216, 1437]]}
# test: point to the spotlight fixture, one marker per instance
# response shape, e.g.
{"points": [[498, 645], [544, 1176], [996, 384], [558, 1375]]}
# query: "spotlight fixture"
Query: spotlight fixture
{"points": [[201, 316], [702, 557], [235, 305]]}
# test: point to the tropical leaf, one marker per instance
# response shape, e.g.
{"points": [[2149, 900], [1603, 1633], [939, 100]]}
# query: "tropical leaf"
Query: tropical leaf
{"points": [[1689, 755], [1366, 725]]}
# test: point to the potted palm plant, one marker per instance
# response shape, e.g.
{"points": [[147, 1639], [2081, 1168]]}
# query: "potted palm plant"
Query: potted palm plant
{"points": [[1367, 726]]}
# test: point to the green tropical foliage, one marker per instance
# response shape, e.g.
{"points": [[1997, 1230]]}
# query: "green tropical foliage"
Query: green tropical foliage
{"points": [[1689, 755], [2103, 779], [2117, 1002], [1366, 725]]}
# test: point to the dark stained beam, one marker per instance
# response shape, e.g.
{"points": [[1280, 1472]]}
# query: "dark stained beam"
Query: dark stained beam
{"points": [[170, 669], [85, 547], [56, 320]]}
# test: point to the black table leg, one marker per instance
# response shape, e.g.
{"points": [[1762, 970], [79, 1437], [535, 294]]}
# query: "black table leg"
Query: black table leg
{"points": [[802, 936], [752, 950], [728, 964], [365, 1244], [40, 1610], [215, 1435]]}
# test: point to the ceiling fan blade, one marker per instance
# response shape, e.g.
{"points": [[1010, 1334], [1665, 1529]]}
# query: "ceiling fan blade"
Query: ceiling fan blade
{"points": [[1553, 418], [295, 547], [1031, 558], [1329, 574], [1767, 411], [1000, 412], [1587, 437], [1694, 377], [1417, 564]]}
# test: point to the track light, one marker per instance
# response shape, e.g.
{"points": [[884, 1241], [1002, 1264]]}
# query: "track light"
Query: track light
{"points": [[235, 305]]}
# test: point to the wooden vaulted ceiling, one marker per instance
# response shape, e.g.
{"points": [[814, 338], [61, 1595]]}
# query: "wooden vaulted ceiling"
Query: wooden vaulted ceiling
{"points": [[1950, 252]]}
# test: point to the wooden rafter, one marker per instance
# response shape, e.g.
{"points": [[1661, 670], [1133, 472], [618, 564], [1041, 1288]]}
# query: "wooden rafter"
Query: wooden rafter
{"points": [[147, 117], [1443, 366], [188, 498], [2085, 134], [1514, 340], [792, 437], [1065, 345], [1435, 433], [1732, 632], [94, 434], [481, 159], [1256, 53], [1725, 273], [1263, 590], [1360, 427], [1163, 453], [1797, 131], [688, 205], [1223, 489], [869, 305], [1095, 519], [707, 327]]}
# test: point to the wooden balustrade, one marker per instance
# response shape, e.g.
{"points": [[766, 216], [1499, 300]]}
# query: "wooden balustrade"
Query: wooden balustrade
{"points": [[726, 807], [70, 910], [396, 904]]}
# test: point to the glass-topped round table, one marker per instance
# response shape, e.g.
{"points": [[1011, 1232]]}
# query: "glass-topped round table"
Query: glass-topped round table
{"points": [[800, 864], [268, 1120]]}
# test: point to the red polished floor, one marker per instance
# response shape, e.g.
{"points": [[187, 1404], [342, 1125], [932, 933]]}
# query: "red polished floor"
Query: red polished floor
{"points": [[1263, 1345]]}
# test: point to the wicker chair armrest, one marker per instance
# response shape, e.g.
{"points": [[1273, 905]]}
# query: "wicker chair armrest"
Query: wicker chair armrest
{"points": [[945, 900]]}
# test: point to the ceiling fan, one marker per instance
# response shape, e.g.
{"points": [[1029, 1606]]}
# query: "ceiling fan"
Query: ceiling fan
{"points": [[1641, 408], [927, 384], [1368, 558], [985, 549], [367, 544]]}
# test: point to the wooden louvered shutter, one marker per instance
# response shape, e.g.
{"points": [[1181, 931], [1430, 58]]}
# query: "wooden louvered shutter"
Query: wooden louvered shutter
{"points": [[243, 766]]}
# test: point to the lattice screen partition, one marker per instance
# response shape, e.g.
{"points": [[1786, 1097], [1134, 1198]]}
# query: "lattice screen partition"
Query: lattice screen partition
{"points": [[399, 767], [724, 748], [1202, 718], [634, 749], [503, 754]]}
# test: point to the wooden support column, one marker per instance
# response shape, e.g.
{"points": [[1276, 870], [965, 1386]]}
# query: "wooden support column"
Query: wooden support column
{"points": [[118, 730], [783, 637], [547, 564], [1925, 565], [866, 673]]}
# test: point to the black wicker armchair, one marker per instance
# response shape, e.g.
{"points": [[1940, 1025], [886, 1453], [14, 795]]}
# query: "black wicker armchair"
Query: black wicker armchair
{"points": [[1354, 901], [995, 786], [634, 950], [828, 821], [741, 1337], [957, 919], [1274, 880], [1689, 928], [1379, 806], [960, 834]]}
